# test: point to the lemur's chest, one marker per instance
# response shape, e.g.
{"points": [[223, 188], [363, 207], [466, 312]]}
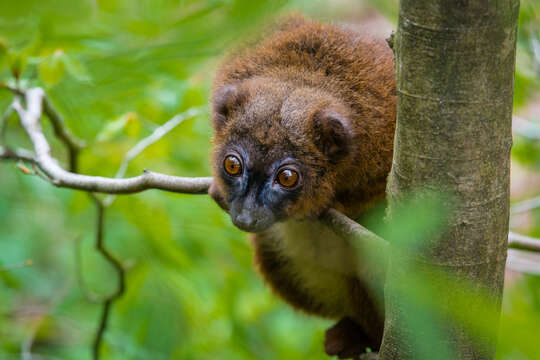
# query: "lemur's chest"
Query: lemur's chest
{"points": [[321, 263], [312, 244]]}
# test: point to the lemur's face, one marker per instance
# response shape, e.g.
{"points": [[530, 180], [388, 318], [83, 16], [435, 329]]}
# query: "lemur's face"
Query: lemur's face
{"points": [[275, 149], [258, 193]]}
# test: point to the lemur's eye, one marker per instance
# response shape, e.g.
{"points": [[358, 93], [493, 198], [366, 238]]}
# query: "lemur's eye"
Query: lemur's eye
{"points": [[287, 178], [232, 165]]}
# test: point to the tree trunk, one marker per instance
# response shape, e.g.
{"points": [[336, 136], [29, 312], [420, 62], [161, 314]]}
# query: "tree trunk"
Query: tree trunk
{"points": [[455, 75]]}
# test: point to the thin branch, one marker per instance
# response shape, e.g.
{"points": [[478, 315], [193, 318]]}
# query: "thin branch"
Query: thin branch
{"points": [[525, 206], [23, 155], [109, 300], [62, 178], [346, 227], [365, 241], [60, 129], [14, 89], [526, 128], [529, 130], [40, 173], [377, 248], [522, 242], [17, 154], [72, 143], [523, 261], [155, 136]]}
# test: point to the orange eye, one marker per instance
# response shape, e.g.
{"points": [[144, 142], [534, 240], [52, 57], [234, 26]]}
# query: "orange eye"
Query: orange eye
{"points": [[232, 165], [287, 178]]}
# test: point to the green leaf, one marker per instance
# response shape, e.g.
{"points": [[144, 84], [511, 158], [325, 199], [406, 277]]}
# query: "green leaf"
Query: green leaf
{"points": [[3, 50], [51, 69], [75, 68], [17, 63], [115, 127]]}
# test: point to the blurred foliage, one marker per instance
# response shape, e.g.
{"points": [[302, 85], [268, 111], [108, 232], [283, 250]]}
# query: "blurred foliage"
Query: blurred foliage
{"points": [[528, 56], [117, 69], [527, 83]]}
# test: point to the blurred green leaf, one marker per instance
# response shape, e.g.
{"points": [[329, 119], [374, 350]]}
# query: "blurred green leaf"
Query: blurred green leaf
{"points": [[51, 69], [17, 63], [526, 151], [76, 68], [416, 219], [115, 127]]}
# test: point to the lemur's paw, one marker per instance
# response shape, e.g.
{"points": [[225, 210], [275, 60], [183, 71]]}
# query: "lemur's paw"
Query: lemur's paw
{"points": [[346, 339]]}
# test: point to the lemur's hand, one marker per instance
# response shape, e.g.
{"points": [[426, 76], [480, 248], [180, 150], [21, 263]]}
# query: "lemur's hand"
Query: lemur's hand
{"points": [[346, 339]]}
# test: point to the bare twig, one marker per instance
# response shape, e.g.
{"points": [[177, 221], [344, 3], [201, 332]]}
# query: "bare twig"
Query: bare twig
{"points": [[72, 143], [522, 242], [14, 89], [62, 132], [377, 247], [109, 300], [40, 174], [526, 128], [156, 135], [523, 261], [525, 206], [17, 154], [366, 242], [346, 227], [62, 178]]}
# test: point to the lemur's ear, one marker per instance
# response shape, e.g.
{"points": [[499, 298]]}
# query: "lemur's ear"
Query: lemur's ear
{"points": [[332, 134], [225, 100]]}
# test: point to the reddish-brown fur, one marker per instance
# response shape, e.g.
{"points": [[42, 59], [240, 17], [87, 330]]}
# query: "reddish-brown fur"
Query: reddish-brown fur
{"points": [[357, 70], [305, 68]]}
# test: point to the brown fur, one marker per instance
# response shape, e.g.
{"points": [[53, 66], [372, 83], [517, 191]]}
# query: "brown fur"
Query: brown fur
{"points": [[302, 71], [303, 56]]}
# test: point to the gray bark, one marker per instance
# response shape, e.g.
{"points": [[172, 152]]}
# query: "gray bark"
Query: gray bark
{"points": [[455, 73]]}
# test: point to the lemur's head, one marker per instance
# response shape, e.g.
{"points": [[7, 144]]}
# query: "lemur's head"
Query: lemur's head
{"points": [[277, 147]]}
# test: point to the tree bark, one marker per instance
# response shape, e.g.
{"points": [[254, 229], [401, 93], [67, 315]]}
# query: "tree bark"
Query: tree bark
{"points": [[455, 75]]}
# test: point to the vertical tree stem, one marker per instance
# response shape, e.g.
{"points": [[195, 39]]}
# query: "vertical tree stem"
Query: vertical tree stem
{"points": [[455, 74]]}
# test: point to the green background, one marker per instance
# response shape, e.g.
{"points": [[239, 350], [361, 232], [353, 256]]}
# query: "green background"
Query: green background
{"points": [[117, 69]]}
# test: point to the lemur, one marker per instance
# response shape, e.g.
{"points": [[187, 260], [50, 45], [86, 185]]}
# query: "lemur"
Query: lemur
{"points": [[304, 121]]}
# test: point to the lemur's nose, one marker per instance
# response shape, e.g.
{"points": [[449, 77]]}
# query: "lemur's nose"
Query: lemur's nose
{"points": [[244, 220], [250, 216]]}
